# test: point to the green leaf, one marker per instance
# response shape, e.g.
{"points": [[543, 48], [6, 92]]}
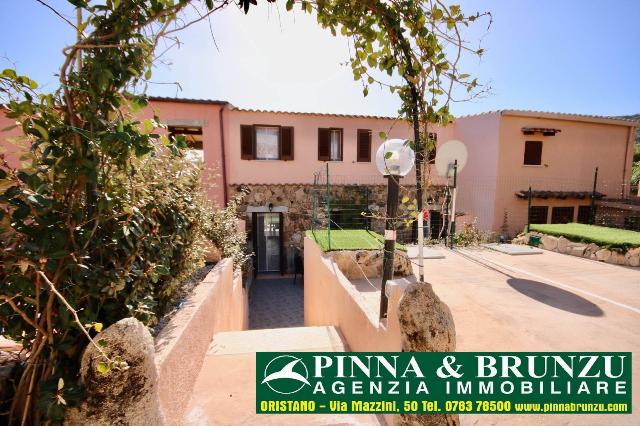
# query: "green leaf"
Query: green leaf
{"points": [[209, 4], [382, 135], [103, 368]]}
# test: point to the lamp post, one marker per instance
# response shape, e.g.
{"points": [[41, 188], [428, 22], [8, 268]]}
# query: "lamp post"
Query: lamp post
{"points": [[394, 159]]}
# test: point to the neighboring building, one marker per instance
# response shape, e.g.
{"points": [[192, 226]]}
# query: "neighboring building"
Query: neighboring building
{"points": [[556, 154], [274, 155]]}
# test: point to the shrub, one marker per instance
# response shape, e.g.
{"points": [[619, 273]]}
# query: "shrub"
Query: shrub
{"points": [[470, 235], [107, 217]]}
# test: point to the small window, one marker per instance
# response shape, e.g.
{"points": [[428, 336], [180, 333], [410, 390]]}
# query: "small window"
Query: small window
{"points": [[335, 145], [267, 143], [193, 138], [329, 144], [584, 214], [432, 145], [539, 214], [533, 153], [562, 215]]}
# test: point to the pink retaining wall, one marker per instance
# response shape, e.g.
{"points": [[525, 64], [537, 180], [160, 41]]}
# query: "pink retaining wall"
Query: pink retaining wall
{"points": [[219, 303], [331, 299]]}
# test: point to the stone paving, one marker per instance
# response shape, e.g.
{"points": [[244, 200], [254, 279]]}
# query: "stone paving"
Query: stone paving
{"points": [[276, 302]]}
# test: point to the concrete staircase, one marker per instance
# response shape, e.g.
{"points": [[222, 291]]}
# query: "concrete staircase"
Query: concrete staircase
{"points": [[224, 393]]}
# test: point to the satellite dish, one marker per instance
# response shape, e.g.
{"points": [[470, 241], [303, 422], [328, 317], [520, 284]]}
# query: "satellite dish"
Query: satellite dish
{"points": [[447, 154]]}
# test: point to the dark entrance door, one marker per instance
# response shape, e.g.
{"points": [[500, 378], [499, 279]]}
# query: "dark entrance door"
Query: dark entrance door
{"points": [[267, 238]]}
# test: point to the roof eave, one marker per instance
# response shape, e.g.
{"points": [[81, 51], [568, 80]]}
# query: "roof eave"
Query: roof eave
{"points": [[571, 117]]}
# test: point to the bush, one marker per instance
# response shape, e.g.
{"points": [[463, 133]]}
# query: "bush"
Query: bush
{"points": [[470, 235], [106, 219]]}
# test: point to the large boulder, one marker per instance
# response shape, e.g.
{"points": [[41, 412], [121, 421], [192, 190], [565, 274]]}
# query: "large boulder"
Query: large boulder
{"points": [[576, 249], [632, 257], [358, 264], [563, 244], [590, 251], [549, 242], [603, 255], [124, 396], [426, 325]]}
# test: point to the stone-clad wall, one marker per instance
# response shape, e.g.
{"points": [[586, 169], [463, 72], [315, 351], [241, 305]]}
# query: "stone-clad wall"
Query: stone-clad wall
{"points": [[298, 201]]}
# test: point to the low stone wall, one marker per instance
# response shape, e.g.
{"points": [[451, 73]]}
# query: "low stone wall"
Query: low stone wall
{"points": [[218, 303], [591, 251], [358, 264]]}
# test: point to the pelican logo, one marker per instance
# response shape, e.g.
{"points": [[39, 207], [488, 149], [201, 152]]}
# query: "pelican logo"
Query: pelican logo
{"points": [[286, 374]]}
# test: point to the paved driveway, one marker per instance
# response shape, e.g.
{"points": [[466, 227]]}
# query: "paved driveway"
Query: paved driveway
{"points": [[544, 302]]}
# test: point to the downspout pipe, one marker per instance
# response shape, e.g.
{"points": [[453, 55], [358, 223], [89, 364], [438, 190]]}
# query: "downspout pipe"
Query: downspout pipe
{"points": [[224, 157]]}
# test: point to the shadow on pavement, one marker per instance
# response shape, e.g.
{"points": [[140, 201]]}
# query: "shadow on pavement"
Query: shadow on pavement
{"points": [[555, 297]]}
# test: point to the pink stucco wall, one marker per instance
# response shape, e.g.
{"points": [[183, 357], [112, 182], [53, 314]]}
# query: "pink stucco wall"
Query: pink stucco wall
{"points": [[305, 163], [9, 145], [477, 181], [569, 160], [207, 116]]}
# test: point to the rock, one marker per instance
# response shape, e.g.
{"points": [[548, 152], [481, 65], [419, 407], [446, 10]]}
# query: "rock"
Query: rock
{"points": [[616, 258], [620, 259], [576, 249], [549, 242], [426, 325], [124, 397], [634, 252], [590, 250], [368, 263], [563, 243], [300, 194], [603, 255], [633, 260]]}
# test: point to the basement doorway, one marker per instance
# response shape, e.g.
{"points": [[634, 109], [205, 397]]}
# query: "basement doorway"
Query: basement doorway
{"points": [[267, 242]]}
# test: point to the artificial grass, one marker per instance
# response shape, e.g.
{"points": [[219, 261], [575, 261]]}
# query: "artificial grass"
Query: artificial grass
{"points": [[349, 239], [601, 235]]}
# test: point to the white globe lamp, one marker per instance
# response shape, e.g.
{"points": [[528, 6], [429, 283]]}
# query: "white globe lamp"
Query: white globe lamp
{"points": [[395, 158]]}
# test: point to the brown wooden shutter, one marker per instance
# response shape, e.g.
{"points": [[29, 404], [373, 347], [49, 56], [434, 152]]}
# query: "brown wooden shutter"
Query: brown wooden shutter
{"points": [[533, 153], [323, 145], [247, 151], [364, 145], [286, 143]]}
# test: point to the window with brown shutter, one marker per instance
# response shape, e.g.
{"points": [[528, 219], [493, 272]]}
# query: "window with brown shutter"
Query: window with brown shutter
{"points": [[286, 143], [532, 153], [364, 146], [247, 142], [323, 144]]}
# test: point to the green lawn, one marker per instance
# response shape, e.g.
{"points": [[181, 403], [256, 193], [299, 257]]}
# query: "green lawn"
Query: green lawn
{"points": [[349, 239], [610, 237]]}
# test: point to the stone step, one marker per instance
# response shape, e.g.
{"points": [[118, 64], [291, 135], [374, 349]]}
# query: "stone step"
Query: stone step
{"points": [[225, 391]]}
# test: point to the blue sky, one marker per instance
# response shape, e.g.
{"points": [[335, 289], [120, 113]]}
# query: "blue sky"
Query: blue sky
{"points": [[568, 56]]}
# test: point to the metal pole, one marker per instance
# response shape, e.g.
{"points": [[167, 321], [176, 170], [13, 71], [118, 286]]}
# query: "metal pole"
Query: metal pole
{"points": [[529, 210], [328, 210], [389, 240], [420, 246], [592, 219], [453, 203]]}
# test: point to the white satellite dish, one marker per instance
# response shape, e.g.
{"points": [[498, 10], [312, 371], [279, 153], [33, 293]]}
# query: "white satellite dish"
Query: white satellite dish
{"points": [[446, 156]]}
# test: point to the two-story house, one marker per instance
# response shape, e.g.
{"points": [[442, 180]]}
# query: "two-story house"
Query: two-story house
{"points": [[273, 155]]}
